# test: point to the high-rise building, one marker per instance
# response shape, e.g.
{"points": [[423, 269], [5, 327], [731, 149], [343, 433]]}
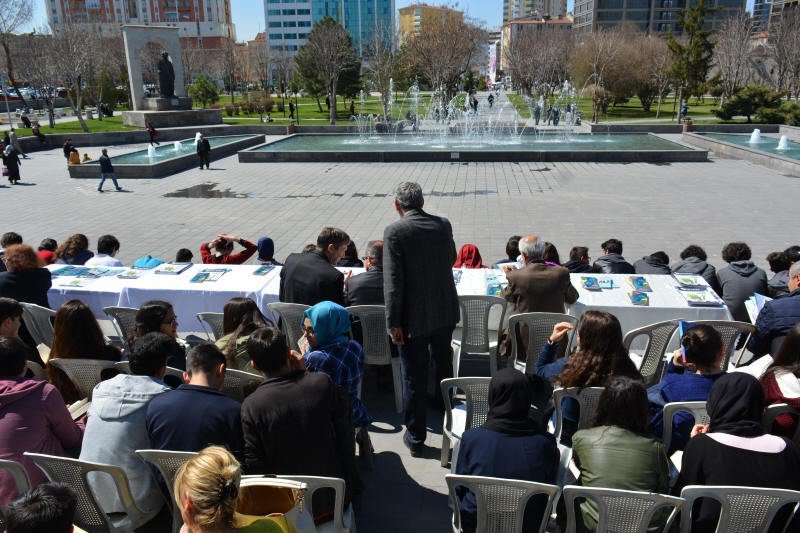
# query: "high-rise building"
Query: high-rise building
{"points": [[288, 23], [204, 24], [652, 16], [761, 14], [412, 18], [518, 9]]}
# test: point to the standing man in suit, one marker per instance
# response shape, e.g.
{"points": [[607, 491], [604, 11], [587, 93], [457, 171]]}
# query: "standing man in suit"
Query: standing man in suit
{"points": [[367, 288], [421, 302], [311, 278]]}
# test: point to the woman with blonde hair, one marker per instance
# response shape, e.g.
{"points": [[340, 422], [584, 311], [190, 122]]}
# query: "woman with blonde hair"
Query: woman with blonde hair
{"points": [[206, 491]]}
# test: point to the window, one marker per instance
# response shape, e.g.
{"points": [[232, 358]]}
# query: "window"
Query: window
{"points": [[290, 36], [275, 24], [288, 12], [274, 36], [303, 11], [304, 23], [274, 12], [289, 24]]}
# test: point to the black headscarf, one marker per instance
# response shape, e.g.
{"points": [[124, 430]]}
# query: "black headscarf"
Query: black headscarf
{"points": [[510, 396], [735, 405]]}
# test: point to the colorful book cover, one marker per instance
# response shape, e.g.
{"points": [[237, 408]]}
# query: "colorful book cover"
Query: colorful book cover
{"points": [[590, 283], [690, 281], [494, 289], [509, 267], [263, 270], [69, 271], [702, 299], [606, 283], [683, 327], [132, 273], [209, 274], [457, 273], [639, 284], [639, 298]]}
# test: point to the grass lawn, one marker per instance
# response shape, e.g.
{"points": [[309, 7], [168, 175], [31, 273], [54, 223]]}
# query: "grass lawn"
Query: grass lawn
{"points": [[107, 124]]}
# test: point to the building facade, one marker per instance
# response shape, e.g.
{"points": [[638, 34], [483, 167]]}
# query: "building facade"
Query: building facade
{"points": [[204, 24], [518, 9], [412, 18], [761, 14], [652, 16], [287, 23]]}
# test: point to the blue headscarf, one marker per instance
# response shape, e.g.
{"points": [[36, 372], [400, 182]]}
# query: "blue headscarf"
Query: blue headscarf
{"points": [[331, 323], [266, 249]]}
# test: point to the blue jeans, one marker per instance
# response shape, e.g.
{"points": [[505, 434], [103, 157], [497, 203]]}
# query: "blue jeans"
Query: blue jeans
{"points": [[104, 176]]}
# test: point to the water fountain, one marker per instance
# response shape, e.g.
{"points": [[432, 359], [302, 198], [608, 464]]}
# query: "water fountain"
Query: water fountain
{"points": [[151, 152], [176, 146], [783, 144], [755, 137]]}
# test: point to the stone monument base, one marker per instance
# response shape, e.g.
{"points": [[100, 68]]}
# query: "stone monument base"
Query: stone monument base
{"points": [[172, 119], [166, 104]]}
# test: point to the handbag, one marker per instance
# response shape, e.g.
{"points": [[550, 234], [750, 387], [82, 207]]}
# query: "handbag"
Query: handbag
{"points": [[272, 505]]}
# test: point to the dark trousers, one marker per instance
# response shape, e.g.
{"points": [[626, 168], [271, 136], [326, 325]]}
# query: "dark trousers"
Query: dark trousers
{"points": [[415, 358], [205, 159]]}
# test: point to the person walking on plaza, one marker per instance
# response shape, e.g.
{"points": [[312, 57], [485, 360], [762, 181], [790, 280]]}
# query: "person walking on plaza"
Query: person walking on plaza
{"points": [[291, 110], [203, 151], [11, 162], [15, 143], [67, 148], [151, 130], [421, 302], [107, 172]]}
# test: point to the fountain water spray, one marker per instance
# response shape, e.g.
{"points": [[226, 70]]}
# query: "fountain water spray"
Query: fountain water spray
{"points": [[783, 144], [176, 146], [151, 152], [755, 137]]}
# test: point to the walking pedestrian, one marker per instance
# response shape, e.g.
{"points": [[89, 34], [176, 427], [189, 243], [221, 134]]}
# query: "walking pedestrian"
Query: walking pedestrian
{"points": [[204, 152], [107, 171], [67, 148], [153, 134], [11, 162], [537, 113], [15, 143], [291, 110]]}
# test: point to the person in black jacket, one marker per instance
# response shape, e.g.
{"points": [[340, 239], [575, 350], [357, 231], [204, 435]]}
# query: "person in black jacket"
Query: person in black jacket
{"points": [[67, 148], [367, 288], [612, 262], [203, 151], [107, 172], [693, 261], [655, 263], [24, 281], [310, 278], [578, 260]]}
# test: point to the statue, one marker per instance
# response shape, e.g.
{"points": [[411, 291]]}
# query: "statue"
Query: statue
{"points": [[166, 77]]}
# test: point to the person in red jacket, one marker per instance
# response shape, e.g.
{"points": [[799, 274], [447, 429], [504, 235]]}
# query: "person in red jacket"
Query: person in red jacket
{"points": [[223, 246]]}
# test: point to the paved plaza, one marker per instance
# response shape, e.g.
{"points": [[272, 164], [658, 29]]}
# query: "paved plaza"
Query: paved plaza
{"points": [[649, 207]]}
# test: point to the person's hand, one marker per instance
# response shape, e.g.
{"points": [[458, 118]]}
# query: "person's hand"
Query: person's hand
{"points": [[214, 243], [348, 275], [296, 361], [397, 336], [560, 330], [677, 357], [699, 429], [228, 237]]}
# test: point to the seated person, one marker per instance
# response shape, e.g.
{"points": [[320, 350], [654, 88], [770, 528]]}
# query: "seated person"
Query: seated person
{"points": [[550, 255], [778, 284], [24, 281], [693, 261], [781, 382], [241, 317], [350, 257], [469, 257], [33, 418], [184, 255], [310, 277], [206, 490], [612, 262], [197, 414], [50, 508], [740, 279], [7, 239], [46, 251], [107, 249], [579, 261], [600, 356], [327, 327], [266, 252], [223, 250], [77, 335], [367, 288], [508, 445], [74, 251], [158, 316], [733, 450], [687, 380], [116, 426], [615, 453], [512, 250], [777, 317], [10, 317], [655, 263], [297, 422]]}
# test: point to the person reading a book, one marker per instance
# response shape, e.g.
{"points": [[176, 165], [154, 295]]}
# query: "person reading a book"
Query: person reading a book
{"points": [[240, 318], [781, 382], [222, 253], [469, 257], [655, 263], [690, 374], [157, 316], [33, 418], [777, 317], [740, 279]]}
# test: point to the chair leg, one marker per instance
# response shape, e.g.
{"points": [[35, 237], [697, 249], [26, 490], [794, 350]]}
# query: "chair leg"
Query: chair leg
{"points": [[456, 358], [365, 450], [397, 378], [445, 450], [454, 460]]}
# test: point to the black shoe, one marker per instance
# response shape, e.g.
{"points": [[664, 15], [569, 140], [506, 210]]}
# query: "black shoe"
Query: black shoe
{"points": [[417, 450]]}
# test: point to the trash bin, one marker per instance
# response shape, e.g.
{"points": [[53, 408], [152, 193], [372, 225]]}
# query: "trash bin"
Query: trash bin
{"points": [[688, 125]]}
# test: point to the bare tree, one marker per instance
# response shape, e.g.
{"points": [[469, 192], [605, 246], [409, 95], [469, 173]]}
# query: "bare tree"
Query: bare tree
{"points": [[40, 68], [731, 53], [73, 47], [593, 59], [332, 51], [384, 62], [784, 47], [538, 59], [14, 15], [282, 68], [660, 67]]}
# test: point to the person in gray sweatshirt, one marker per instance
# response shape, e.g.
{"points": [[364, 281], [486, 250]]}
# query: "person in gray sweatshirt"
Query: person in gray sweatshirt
{"points": [[693, 261], [116, 426], [740, 279]]}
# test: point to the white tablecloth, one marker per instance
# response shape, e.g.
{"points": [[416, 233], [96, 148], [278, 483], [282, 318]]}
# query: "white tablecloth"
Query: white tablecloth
{"points": [[189, 298]]}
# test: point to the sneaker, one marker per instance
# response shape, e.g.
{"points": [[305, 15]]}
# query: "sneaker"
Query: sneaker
{"points": [[119, 189], [99, 190]]}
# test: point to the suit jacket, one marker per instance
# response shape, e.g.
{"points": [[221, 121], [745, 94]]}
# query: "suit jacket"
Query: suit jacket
{"points": [[418, 286], [309, 279], [540, 288], [365, 288], [29, 286]]}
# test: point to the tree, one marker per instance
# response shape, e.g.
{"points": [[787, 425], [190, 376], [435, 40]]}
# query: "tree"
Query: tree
{"points": [[384, 63], [538, 59], [692, 55], [593, 59], [784, 47], [74, 48], [41, 69], [308, 77], [752, 100], [204, 90], [731, 54], [14, 15], [331, 50], [106, 65]]}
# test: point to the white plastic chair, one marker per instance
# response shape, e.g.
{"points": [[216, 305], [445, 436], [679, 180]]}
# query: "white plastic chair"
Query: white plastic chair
{"points": [[125, 368], [212, 325], [377, 345], [459, 417], [697, 409], [730, 331], [236, 383], [123, 319], [85, 374], [476, 331], [39, 322], [501, 502], [658, 337], [291, 319], [21, 481], [167, 463], [743, 509], [37, 370], [774, 411], [587, 399], [89, 515], [620, 511], [539, 326]]}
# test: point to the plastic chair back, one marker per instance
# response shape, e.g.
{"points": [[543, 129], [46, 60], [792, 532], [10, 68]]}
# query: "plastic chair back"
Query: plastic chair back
{"points": [[621, 511], [37, 370], [211, 324], [377, 344], [291, 317], [476, 390], [587, 398], [743, 509], [539, 327], [236, 383], [167, 463], [18, 473], [475, 321], [39, 322], [501, 502], [732, 333], [697, 409], [772, 412], [123, 320], [343, 519], [85, 374], [658, 336]]}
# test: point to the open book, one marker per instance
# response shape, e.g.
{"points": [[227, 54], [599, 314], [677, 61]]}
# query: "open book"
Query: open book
{"points": [[755, 304]]}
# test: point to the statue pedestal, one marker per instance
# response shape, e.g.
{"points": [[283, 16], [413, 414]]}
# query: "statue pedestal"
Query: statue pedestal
{"points": [[172, 119], [166, 104]]}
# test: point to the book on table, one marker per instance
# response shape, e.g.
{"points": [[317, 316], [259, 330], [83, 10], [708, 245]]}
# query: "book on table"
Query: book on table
{"points": [[132, 273], [690, 282], [702, 298], [209, 274], [69, 270], [172, 268], [590, 283], [639, 284], [639, 298], [263, 270]]}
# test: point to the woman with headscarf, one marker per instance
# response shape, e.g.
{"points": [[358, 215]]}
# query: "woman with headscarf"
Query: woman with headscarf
{"points": [[469, 257], [509, 445], [733, 449], [266, 252], [332, 351]]}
